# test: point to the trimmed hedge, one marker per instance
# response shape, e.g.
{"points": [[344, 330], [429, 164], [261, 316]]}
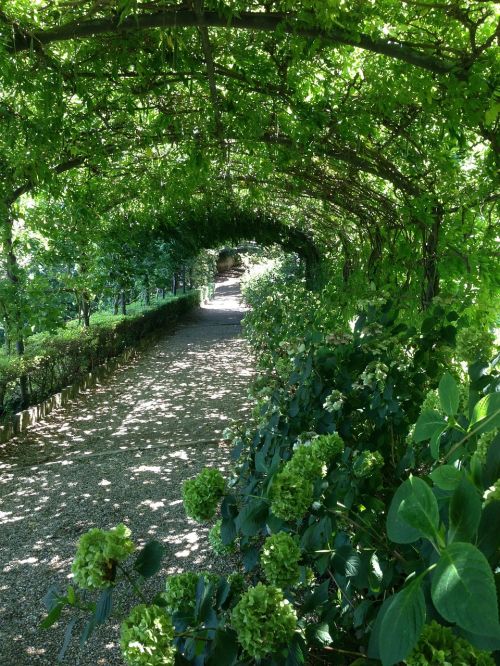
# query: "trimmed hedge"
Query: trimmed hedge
{"points": [[54, 360]]}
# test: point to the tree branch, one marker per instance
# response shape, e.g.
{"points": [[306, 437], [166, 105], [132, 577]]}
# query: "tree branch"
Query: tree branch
{"points": [[254, 21]]}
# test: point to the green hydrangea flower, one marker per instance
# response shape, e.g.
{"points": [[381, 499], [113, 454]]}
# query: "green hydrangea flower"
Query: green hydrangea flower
{"points": [[305, 461], [215, 540], [492, 494], [98, 553], [280, 560], [147, 637], [328, 447], [366, 463], [264, 620], [439, 646], [180, 591], [474, 344], [202, 494], [291, 495]]}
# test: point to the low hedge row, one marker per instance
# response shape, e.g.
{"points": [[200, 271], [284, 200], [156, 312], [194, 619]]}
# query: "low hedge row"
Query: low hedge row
{"points": [[54, 360]]}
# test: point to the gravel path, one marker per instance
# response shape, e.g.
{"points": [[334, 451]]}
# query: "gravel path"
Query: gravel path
{"points": [[119, 454]]}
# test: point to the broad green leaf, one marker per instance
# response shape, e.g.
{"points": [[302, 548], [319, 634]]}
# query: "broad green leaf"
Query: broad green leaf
{"points": [[435, 442], [413, 512], [449, 395], [427, 424], [148, 562], [67, 639], [104, 606], [53, 616], [463, 590], [465, 513], [224, 648], [446, 477], [486, 413], [319, 633], [402, 624]]}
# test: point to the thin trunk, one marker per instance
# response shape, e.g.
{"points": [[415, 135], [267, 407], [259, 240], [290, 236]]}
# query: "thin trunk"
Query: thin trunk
{"points": [[116, 304], [175, 284], [123, 302], [184, 286], [85, 309], [430, 283]]}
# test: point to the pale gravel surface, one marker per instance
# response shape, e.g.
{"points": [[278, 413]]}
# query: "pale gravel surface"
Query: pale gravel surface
{"points": [[55, 484]]}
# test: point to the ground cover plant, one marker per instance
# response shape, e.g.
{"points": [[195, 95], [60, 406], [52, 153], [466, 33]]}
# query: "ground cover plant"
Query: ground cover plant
{"points": [[361, 138]]}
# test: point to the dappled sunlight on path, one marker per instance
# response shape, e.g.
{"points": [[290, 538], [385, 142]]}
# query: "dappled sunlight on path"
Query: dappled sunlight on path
{"points": [[119, 454]]}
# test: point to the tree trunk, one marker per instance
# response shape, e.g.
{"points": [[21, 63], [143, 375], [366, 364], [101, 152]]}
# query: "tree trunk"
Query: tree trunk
{"points": [[175, 284], [85, 310], [123, 302], [184, 286], [12, 270], [163, 292], [430, 283], [116, 304]]}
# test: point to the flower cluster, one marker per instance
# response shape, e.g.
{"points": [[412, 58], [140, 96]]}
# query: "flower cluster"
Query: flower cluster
{"points": [[264, 620], [328, 447], [439, 646], [147, 637], [374, 375], [291, 495], [97, 555], [334, 401], [280, 560], [474, 344], [202, 494], [292, 490], [215, 540], [180, 591], [306, 461], [366, 463], [492, 494]]}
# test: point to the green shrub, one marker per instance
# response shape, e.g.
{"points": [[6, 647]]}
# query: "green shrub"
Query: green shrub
{"points": [[52, 361]]}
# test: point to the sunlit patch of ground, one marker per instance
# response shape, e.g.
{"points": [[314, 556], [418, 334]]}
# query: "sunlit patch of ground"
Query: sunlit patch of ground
{"points": [[119, 454]]}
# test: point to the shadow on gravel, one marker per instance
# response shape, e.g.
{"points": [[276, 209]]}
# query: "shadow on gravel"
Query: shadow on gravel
{"points": [[119, 454]]}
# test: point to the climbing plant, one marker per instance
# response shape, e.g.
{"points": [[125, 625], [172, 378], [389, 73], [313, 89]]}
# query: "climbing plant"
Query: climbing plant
{"points": [[362, 137]]}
